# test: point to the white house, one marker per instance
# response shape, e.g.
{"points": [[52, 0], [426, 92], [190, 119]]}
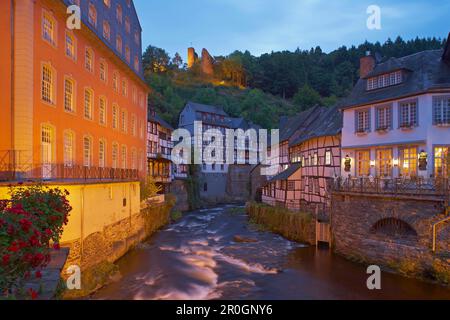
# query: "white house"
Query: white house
{"points": [[397, 118]]}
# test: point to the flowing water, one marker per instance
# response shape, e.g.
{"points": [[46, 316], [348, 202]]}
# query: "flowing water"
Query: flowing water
{"points": [[197, 258]]}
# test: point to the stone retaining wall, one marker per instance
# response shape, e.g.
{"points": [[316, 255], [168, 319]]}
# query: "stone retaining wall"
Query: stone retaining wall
{"points": [[393, 232]]}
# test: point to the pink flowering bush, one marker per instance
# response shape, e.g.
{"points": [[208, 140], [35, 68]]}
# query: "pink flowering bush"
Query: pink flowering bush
{"points": [[29, 222]]}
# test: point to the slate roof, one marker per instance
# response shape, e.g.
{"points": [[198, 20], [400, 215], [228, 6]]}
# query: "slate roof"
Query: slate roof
{"points": [[288, 126], [287, 173], [328, 123], [424, 71], [156, 118], [206, 108]]}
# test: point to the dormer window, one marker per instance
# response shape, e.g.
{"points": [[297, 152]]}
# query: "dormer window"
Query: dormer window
{"points": [[385, 80]]}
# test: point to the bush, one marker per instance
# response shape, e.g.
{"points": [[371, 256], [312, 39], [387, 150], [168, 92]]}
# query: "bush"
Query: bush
{"points": [[29, 222]]}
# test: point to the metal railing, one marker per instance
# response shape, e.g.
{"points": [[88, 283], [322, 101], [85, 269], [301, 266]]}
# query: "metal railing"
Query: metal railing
{"points": [[395, 186]]}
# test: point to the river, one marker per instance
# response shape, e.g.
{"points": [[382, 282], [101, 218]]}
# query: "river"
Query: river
{"points": [[197, 258]]}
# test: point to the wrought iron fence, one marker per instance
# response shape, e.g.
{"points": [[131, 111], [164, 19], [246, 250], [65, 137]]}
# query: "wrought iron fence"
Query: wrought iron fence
{"points": [[396, 186]]}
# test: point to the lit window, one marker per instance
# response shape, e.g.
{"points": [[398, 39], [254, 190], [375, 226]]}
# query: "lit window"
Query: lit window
{"points": [[88, 102], [69, 149], [440, 156], [115, 82], [69, 90], [70, 46], [115, 155], [115, 122], [384, 163], [124, 157], [102, 111], [133, 159], [89, 60], [102, 154], [328, 158], [87, 151], [408, 161], [124, 121], [363, 163], [103, 71], [47, 84], [48, 28], [124, 87], [133, 125]]}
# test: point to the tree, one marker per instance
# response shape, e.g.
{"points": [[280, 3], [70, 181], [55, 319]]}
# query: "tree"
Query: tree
{"points": [[177, 61], [155, 60], [307, 98]]}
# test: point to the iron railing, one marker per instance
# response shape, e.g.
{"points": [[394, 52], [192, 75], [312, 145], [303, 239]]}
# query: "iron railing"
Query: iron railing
{"points": [[394, 186]]}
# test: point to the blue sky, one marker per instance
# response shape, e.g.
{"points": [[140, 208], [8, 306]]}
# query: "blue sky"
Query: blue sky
{"points": [[261, 26]]}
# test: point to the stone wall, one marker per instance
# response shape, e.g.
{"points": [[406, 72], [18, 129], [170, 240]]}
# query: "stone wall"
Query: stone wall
{"points": [[393, 232], [257, 182], [179, 190], [295, 226], [96, 254], [238, 182]]}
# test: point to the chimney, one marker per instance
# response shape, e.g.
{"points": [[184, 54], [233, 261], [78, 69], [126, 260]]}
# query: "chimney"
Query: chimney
{"points": [[366, 65]]}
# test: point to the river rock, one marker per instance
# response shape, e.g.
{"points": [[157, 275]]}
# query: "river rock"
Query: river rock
{"points": [[244, 240]]}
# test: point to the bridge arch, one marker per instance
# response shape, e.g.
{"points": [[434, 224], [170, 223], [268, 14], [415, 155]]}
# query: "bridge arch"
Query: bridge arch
{"points": [[394, 228]]}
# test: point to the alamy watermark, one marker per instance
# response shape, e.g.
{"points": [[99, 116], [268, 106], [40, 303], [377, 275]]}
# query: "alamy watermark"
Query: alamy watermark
{"points": [[374, 19], [74, 20], [374, 280]]}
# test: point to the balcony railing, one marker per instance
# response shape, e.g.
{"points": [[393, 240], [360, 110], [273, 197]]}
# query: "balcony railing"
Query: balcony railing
{"points": [[67, 172], [395, 186]]}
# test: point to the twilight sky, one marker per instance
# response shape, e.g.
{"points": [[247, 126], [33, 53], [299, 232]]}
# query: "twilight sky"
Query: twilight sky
{"points": [[261, 26]]}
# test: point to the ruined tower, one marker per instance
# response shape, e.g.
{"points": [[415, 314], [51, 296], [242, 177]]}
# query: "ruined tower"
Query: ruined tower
{"points": [[192, 57], [207, 63]]}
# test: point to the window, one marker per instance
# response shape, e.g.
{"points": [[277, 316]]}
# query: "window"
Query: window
{"points": [[127, 25], [133, 125], [124, 87], [107, 3], [385, 80], [315, 159], [92, 15], [328, 158], [440, 154], [89, 60], [70, 46], [49, 28], [102, 154], [127, 54], [362, 121], [384, 162], [115, 120], [102, 111], [137, 36], [408, 114], [115, 81], [115, 155], [119, 43], [134, 94], [119, 13], [69, 148], [133, 159], [441, 110], [47, 92], [88, 103], [124, 121], [363, 163], [106, 30], [408, 161], [384, 117], [87, 151], [124, 157], [103, 71], [69, 95], [136, 63]]}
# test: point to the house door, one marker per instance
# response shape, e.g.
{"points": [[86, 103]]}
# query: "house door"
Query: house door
{"points": [[47, 152]]}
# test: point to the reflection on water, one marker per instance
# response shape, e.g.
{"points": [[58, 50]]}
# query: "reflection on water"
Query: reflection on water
{"points": [[197, 258]]}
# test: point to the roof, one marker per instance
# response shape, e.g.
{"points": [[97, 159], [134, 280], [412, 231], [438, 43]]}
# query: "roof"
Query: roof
{"points": [[287, 173], [424, 71], [156, 118], [288, 126], [328, 123], [206, 108]]}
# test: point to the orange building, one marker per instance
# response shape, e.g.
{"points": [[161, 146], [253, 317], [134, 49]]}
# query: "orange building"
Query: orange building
{"points": [[73, 102]]}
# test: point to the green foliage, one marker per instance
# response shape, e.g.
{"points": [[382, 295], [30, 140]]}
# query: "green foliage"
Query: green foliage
{"points": [[176, 215], [279, 83], [149, 188]]}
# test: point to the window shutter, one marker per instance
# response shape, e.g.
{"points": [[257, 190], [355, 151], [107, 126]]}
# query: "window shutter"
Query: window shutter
{"points": [[434, 111], [377, 118], [369, 116], [356, 121]]}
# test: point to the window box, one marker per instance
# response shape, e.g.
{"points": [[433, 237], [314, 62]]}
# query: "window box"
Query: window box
{"points": [[362, 132], [382, 130], [406, 126]]}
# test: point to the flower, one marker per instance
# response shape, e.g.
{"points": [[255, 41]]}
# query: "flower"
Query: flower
{"points": [[33, 294], [38, 275], [25, 224], [5, 259], [14, 247], [56, 246]]}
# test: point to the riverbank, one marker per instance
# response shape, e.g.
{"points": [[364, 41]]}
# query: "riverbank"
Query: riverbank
{"points": [[97, 254], [198, 257], [295, 226]]}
